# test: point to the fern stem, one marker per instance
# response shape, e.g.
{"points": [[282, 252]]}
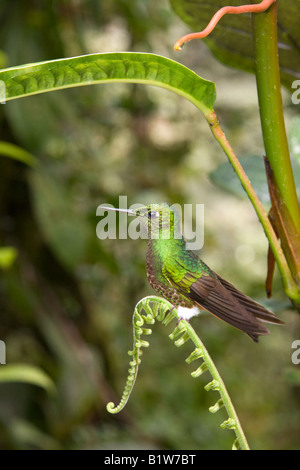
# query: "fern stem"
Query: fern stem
{"points": [[217, 383]]}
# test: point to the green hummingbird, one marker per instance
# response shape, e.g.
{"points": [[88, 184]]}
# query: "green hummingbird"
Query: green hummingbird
{"points": [[181, 277]]}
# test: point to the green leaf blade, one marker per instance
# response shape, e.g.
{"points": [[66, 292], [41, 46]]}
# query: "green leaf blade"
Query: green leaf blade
{"points": [[131, 67], [28, 374]]}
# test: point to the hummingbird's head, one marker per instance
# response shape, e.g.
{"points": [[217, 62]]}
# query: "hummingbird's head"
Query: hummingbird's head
{"points": [[160, 220]]}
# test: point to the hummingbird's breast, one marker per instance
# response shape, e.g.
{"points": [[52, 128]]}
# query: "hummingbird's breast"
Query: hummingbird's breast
{"points": [[156, 257]]}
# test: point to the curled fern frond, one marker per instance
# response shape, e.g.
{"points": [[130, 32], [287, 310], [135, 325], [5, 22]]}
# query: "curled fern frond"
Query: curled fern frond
{"points": [[154, 308], [146, 312]]}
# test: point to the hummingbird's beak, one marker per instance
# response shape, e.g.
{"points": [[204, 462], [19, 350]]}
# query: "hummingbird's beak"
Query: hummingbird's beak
{"points": [[128, 211]]}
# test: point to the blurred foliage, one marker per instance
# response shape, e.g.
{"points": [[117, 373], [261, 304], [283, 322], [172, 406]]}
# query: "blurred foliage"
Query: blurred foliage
{"points": [[67, 298], [13, 151], [26, 373]]}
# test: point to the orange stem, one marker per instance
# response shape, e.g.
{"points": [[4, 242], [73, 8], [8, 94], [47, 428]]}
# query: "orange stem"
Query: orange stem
{"points": [[256, 8]]}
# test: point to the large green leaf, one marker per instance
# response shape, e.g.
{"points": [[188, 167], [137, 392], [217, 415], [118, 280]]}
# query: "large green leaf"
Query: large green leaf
{"points": [[92, 69], [231, 41]]}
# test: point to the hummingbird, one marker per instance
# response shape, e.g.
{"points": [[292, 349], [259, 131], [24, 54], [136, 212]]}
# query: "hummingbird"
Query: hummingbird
{"points": [[180, 276]]}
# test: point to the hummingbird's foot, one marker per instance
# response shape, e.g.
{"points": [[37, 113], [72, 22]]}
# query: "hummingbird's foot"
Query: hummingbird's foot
{"points": [[178, 319]]}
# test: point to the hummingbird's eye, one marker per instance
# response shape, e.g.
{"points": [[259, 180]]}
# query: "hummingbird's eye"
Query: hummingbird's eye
{"points": [[153, 214]]}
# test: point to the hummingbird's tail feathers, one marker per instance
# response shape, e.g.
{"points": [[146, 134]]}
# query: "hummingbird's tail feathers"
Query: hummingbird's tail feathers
{"points": [[209, 293], [250, 305], [255, 336]]}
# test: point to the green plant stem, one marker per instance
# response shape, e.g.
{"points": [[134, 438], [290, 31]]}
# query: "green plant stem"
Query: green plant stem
{"points": [[271, 107], [290, 286], [221, 389]]}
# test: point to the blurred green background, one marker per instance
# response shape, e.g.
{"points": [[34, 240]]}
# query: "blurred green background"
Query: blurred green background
{"points": [[67, 300]]}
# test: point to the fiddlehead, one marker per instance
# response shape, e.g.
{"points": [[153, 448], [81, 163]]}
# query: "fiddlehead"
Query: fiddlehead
{"points": [[146, 312], [154, 308]]}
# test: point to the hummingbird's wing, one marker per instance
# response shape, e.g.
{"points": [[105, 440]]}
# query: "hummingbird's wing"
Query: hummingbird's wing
{"points": [[219, 297], [258, 310]]}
